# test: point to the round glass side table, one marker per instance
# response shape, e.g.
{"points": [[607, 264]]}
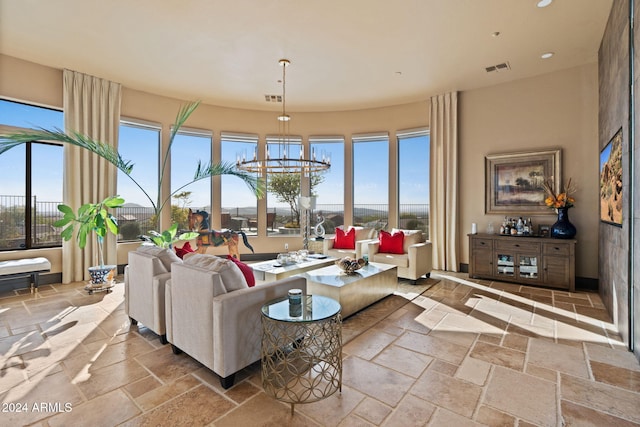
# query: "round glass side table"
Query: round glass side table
{"points": [[301, 349]]}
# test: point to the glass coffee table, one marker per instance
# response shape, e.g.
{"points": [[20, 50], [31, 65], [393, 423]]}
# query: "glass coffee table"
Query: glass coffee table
{"points": [[301, 349], [270, 271]]}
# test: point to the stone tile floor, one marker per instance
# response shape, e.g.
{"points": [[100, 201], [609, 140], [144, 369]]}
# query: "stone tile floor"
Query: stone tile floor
{"points": [[461, 353]]}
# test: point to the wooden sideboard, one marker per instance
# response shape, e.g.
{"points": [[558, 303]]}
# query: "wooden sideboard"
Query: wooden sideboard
{"points": [[525, 260]]}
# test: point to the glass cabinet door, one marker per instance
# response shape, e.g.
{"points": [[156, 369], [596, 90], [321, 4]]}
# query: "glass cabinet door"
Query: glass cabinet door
{"points": [[505, 265], [528, 267]]}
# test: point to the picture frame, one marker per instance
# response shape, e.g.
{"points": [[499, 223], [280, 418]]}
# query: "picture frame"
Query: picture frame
{"points": [[513, 181], [611, 184]]}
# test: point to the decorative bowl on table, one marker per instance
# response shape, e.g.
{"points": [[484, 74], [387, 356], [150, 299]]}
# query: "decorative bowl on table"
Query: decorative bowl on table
{"points": [[350, 265]]}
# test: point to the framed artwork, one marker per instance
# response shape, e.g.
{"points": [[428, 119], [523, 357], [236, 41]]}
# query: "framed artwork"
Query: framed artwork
{"points": [[513, 181], [611, 181]]}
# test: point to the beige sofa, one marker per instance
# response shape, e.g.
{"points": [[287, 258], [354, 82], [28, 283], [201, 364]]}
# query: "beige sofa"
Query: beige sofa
{"points": [[217, 322], [145, 277], [364, 235], [415, 262]]}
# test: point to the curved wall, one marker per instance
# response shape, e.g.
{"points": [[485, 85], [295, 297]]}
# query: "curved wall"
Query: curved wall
{"points": [[555, 109]]}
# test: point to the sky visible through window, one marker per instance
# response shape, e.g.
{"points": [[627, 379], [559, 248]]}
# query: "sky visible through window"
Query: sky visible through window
{"points": [[46, 179]]}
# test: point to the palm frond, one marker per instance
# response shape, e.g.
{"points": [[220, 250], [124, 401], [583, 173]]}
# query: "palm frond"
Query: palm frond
{"points": [[255, 184], [106, 151], [183, 114]]}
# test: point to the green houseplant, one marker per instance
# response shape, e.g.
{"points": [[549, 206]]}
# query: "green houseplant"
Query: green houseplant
{"points": [[91, 218], [109, 153]]}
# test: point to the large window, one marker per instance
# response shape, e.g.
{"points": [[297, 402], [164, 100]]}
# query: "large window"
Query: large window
{"points": [[139, 143], [32, 182], [239, 204], [371, 180], [283, 189], [413, 180], [189, 148], [328, 188]]}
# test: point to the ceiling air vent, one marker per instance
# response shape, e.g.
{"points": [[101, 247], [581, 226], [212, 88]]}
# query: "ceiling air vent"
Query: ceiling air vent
{"points": [[273, 98], [499, 67]]}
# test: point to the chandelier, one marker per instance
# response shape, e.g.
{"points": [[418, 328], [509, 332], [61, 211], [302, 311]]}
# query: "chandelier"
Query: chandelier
{"points": [[279, 159]]}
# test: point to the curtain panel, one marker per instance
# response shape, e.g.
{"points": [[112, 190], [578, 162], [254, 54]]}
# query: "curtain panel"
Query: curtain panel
{"points": [[443, 178], [92, 108]]}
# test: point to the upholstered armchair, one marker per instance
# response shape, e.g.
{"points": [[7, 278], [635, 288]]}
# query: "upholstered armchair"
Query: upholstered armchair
{"points": [[145, 277], [214, 317], [352, 242], [407, 250]]}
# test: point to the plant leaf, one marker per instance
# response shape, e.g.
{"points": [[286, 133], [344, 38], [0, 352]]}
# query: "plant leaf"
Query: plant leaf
{"points": [[66, 210], [82, 238], [188, 236], [67, 233], [114, 202]]}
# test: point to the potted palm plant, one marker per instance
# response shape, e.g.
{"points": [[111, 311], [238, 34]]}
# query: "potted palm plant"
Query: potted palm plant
{"points": [[92, 218]]}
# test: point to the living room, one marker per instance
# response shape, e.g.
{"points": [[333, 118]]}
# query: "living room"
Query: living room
{"points": [[562, 107]]}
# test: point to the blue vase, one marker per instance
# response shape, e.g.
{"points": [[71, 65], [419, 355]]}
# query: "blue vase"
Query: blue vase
{"points": [[563, 229]]}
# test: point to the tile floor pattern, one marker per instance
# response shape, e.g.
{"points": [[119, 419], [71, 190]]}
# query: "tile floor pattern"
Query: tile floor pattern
{"points": [[462, 353]]}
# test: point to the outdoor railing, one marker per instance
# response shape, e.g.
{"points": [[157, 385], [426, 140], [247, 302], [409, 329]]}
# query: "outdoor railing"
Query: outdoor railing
{"points": [[137, 220]]}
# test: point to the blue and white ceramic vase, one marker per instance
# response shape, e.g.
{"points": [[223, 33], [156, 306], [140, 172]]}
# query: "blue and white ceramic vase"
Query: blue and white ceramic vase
{"points": [[563, 229]]}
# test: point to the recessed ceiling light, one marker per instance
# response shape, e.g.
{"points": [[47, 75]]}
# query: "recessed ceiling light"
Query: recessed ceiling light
{"points": [[544, 3], [546, 55]]}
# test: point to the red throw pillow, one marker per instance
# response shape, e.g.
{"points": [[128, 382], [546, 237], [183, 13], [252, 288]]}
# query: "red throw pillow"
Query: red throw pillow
{"points": [[247, 272], [185, 249], [391, 244], [345, 240]]}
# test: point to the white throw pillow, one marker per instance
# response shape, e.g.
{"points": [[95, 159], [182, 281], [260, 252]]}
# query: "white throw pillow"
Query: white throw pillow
{"points": [[230, 274], [166, 256], [411, 237]]}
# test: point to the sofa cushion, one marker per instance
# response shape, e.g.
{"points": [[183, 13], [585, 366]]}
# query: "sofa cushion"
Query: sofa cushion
{"points": [[411, 237], [391, 243], [364, 233], [166, 256], [230, 274], [247, 272], [345, 240], [393, 259], [185, 249]]}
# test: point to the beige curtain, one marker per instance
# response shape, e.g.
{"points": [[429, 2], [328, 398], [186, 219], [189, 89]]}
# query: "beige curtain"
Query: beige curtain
{"points": [[443, 178], [91, 107]]}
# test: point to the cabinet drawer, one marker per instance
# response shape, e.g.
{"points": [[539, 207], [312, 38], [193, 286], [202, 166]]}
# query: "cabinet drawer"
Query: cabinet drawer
{"points": [[480, 243], [556, 249], [517, 246]]}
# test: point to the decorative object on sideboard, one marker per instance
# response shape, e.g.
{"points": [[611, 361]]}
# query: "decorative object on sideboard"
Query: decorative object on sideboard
{"points": [[561, 201]]}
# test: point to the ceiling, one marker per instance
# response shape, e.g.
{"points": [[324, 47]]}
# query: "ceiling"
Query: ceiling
{"points": [[345, 54]]}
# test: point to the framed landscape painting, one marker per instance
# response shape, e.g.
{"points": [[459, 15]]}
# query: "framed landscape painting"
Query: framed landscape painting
{"points": [[611, 181], [513, 181]]}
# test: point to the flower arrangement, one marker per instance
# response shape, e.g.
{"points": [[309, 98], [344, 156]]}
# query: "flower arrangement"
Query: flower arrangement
{"points": [[561, 200]]}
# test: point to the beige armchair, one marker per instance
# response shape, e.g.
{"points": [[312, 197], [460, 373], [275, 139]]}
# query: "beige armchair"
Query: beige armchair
{"points": [[219, 328], [145, 278], [364, 235], [416, 260]]}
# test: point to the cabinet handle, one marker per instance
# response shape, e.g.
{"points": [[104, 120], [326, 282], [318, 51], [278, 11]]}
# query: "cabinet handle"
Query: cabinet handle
{"points": [[516, 245], [482, 243], [556, 248]]}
